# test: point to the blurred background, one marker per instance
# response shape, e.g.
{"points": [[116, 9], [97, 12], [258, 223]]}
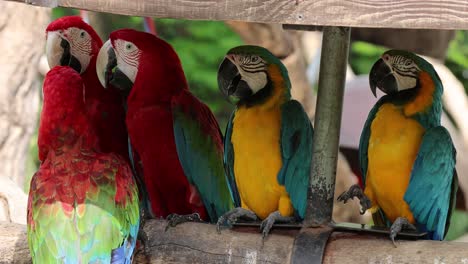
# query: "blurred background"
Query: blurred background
{"points": [[201, 46]]}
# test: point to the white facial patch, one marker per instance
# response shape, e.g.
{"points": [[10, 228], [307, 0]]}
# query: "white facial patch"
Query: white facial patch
{"points": [[128, 56], [405, 82], [252, 69], [404, 70], [255, 80], [80, 46]]}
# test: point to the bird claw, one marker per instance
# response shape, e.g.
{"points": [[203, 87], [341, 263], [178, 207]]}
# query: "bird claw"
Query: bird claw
{"points": [[266, 226], [399, 224], [175, 219], [232, 216], [268, 223], [356, 191]]}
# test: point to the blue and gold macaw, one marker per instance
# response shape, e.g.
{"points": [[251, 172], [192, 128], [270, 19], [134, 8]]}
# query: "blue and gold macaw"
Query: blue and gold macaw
{"points": [[268, 140], [407, 158]]}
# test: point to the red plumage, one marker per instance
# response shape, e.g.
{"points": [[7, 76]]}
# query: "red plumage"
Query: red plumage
{"points": [[104, 106], [67, 136], [160, 85]]}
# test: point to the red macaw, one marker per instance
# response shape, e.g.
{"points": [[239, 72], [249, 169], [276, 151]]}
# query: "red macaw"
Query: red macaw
{"points": [[176, 136], [83, 204], [72, 42]]}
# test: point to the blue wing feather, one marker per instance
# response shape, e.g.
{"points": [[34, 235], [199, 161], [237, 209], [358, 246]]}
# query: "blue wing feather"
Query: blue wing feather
{"points": [[433, 173], [296, 150]]}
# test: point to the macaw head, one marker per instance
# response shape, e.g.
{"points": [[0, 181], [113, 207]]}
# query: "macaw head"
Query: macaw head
{"points": [[247, 73], [397, 71], [130, 58], [71, 42]]}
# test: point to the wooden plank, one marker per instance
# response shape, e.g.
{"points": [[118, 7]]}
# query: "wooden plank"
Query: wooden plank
{"points": [[435, 14]]}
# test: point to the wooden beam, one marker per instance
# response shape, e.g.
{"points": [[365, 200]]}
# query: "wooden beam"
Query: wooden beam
{"points": [[436, 14], [200, 243]]}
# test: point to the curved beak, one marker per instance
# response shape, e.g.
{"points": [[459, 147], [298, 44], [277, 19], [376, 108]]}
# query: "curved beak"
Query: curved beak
{"points": [[230, 80], [382, 77], [59, 53], [106, 62], [108, 70]]}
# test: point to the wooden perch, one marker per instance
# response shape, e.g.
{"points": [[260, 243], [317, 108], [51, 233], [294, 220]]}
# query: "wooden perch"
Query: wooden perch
{"points": [[200, 243]]}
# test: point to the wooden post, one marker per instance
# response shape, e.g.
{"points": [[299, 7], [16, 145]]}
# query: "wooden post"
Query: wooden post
{"points": [[332, 76], [200, 243]]}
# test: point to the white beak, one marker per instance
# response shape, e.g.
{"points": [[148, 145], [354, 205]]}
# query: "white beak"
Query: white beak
{"points": [[102, 61], [54, 51]]}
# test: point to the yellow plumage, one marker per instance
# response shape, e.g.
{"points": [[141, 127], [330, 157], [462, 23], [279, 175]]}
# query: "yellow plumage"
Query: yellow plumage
{"points": [[257, 160], [393, 146]]}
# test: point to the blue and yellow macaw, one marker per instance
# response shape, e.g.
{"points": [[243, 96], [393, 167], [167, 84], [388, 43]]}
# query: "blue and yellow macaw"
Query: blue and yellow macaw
{"points": [[407, 158], [268, 140]]}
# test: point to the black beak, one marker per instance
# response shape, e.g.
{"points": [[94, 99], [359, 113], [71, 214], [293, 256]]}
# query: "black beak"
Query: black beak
{"points": [[68, 59], [381, 77], [230, 81]]}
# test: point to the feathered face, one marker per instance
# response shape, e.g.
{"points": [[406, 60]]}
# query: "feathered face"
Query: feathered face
{"points": [[396, 71], [71, 42], [244, 72], [130, 56], [117, 63]]}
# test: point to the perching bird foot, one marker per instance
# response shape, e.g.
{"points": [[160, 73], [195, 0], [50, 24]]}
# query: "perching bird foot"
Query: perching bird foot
{"points": [[399, 224], [175, 219], [356, 191], [232, 216], [268, 222]]}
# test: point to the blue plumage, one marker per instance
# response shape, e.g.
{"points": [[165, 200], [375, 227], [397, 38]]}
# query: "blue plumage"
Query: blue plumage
{"points": [[433, 172], [296, 152]]}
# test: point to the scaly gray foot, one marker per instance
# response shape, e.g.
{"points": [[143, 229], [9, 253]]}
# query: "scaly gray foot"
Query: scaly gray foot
{"points": [[356, 191], [399, 224], [232, 216], [175, 219], [274, 217]]}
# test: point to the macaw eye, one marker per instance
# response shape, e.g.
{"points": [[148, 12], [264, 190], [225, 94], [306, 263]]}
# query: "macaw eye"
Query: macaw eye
{"points": [[254, 59], [82, 34], [128, 46], [407, 63]]}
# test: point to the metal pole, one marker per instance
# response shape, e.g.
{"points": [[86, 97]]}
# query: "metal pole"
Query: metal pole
{"points": [[334, 59]]}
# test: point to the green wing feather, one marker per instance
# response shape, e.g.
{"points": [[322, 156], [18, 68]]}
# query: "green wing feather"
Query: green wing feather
{"points": [[199, 148], [296, 147]]}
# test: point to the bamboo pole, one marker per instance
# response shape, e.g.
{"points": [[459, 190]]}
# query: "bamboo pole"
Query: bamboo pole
{"points": [[334, 60]]}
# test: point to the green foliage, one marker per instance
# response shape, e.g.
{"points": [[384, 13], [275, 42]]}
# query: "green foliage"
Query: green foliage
{"points": [[457, 57]]}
